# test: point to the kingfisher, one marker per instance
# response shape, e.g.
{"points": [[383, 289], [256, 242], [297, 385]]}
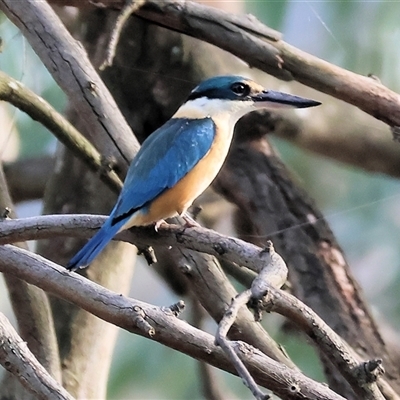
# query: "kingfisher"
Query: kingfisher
{"points": [[179, 160]]}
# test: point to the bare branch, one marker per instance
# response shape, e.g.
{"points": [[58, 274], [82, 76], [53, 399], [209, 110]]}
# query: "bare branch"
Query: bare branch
{"points": [[129, 8], [221, 339], [82, 225], [162, 325], [264, 294], [16, 358], [69, 65], [274, 56], [38, 109], [343, 357], [199, 239], [39, 225], [31, 308], [266, 51], [212, 386]]}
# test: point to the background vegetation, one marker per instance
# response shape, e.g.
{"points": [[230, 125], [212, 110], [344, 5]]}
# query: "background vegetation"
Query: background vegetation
{"points": [[362, 208]]}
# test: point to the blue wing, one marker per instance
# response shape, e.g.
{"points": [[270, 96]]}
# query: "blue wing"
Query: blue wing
{"points": [[165, 157]]}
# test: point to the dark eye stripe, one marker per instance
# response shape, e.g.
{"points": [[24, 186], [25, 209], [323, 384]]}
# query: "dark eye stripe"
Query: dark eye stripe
{"points": [[226, 93], [210, 94]]}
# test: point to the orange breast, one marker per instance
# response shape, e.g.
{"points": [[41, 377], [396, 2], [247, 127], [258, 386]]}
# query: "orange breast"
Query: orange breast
{"points": [[179, 198]]}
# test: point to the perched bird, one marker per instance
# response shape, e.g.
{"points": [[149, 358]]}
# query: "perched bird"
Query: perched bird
{"points": [[179, 160]]}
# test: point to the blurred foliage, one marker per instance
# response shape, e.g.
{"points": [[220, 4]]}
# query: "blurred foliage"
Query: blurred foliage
{"points": [[363, 209], [147, 371], [18, 60], [303, 354]]}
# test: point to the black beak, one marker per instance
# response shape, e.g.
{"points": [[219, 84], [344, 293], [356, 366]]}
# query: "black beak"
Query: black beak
{"points": [[271, 99]]}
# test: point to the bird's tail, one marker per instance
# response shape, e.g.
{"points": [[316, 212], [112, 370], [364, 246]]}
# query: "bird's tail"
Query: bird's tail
{"points": [[94, 246]]}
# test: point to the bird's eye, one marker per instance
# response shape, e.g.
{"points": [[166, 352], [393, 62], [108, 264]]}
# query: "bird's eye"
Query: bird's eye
{"points": [[241, 89]]}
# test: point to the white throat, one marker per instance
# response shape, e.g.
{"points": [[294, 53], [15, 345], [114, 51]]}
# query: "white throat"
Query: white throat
{"points": [[223, 110]]}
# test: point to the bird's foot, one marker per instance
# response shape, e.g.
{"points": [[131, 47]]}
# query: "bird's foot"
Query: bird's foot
{"points": [[158, 224], [74, 267], [189, 221]]}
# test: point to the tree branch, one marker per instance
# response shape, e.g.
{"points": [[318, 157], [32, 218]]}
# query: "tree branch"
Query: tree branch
{"points": [[32, 311], [325, 338], [70, 67], [362, 379], [207, 279], [273, 274], [273, 207], [343, 134], [221, 340], [39, 110], [264, 294], [17, 359], [210, 286], [156, 323], [127, 10], [262, 48], [84, 226]]}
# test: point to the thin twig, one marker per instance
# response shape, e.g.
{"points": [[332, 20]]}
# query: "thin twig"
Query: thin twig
{"points": [[130, 7], [222, 341], [273, 274], [212, 386]]}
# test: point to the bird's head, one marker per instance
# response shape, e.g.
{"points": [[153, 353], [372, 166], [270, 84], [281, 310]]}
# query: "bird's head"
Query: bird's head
{"points": [[235, 96]]}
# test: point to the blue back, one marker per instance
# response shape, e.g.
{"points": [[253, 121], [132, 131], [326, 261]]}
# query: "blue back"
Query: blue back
{"points": [[165, 157]]}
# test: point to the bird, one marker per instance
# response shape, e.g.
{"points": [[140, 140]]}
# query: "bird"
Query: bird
{"points": [[179, 160]]}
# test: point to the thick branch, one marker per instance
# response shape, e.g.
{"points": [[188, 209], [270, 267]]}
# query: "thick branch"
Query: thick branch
{"points": [[344, 134], [346, 360], [69, 65], [16, 358], [156, 323], [38, 109], [84, 226], [265, 50], [273, 207], [32, 311]]}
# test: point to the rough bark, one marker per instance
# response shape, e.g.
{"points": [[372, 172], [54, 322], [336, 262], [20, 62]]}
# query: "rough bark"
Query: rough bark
{"points": [[150, 76], [272, 207], [154, 70], [32, 311]]}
